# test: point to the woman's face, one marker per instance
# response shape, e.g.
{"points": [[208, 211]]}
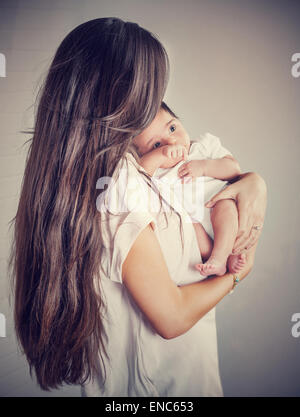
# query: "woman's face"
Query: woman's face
{"points": [[164, 130]]}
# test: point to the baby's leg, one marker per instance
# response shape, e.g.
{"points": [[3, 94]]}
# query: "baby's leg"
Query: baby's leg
{"points": [[224, 218], [205, 243]]}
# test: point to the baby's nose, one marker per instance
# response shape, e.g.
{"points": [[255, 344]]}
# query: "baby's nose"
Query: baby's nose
{"points": [[170, 141]]}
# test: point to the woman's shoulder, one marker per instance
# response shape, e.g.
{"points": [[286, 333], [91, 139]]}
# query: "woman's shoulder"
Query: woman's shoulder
{"points": [[129, 164]]}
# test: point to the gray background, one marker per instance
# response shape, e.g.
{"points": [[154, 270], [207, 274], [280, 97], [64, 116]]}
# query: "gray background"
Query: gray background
{"points": [[230, 76]]}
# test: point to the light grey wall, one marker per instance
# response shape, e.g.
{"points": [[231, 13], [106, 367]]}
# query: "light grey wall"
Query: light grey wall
{"points": [[231, 76]]}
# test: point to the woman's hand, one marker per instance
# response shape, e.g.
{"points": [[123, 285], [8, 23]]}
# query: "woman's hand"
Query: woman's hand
{"points": [[250, 194]]}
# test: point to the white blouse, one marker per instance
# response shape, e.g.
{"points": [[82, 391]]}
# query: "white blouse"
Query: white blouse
{"points": [[142, 363]]}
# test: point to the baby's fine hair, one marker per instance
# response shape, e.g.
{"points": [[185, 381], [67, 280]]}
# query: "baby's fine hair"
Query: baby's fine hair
{"points": [[165, 107]]}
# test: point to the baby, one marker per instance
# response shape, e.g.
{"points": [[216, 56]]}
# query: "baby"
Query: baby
{"points": [[163, 147]]}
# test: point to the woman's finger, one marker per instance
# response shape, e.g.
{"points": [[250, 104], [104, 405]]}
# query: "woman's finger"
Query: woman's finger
{"points": [[247, 242], [244, 220], [241, 241], [246, 245], [244, 228], [241, 246], [253, 240]]}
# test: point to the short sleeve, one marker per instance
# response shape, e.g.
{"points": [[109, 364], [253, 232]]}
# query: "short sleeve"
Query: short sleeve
{"points": [[123, 215], [211, 146]]}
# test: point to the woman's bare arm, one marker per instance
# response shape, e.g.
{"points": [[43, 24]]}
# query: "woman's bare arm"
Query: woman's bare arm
{"points": [[171, 309]]}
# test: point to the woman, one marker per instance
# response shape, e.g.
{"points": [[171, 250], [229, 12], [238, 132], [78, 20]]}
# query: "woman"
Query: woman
{"points": [[102, 298]]}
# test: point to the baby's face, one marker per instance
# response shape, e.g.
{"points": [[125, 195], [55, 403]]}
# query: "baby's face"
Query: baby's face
{"points": [[164, 130]]}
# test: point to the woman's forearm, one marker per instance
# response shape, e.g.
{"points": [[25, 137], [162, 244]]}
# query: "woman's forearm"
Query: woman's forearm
{"points": [[199, 298], [171, 309]]}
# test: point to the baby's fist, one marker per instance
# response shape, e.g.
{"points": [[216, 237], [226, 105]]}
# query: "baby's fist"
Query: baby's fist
{"points": [[175, 151]]}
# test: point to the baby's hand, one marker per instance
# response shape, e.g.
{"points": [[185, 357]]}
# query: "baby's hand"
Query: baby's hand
{"points": [[166, 156], [174, 151], [192, 169]]}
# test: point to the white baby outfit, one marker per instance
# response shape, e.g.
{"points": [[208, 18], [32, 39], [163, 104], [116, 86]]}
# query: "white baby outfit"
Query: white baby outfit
{"points": [[142, 363], [207, 146]]}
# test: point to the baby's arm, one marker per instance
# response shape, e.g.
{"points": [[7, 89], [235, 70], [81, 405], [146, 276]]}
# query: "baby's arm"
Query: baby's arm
{"points": [[152, 160], [225, 168]]}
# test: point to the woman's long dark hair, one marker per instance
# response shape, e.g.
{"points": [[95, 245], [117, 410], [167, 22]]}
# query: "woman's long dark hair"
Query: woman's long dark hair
{"points": [[104, 86]]}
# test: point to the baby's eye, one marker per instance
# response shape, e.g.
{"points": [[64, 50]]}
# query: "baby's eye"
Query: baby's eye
{"points": [[172, 128], [156, 145]]}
